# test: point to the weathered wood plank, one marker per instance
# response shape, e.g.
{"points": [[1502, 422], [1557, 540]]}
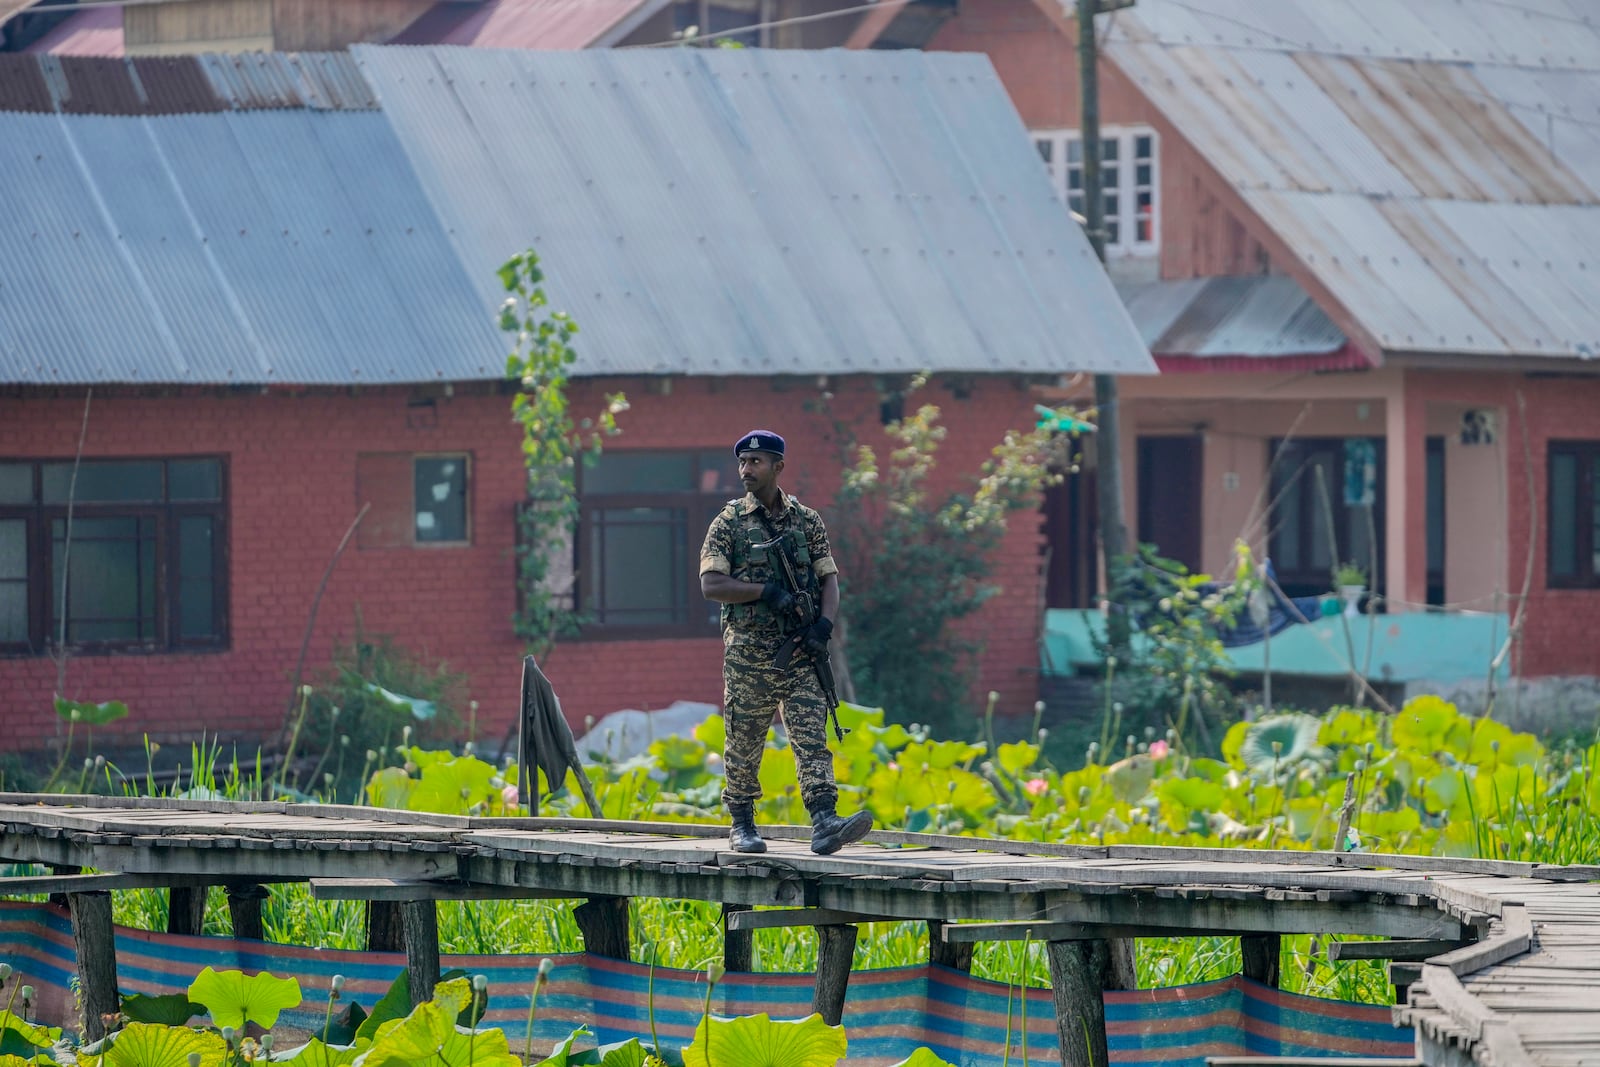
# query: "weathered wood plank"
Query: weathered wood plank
{"points": [[786, 917], [1393, 949], [395, 889]]}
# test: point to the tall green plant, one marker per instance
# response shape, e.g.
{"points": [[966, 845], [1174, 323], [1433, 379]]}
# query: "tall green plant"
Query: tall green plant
{"points": [[553, 442], [921, 560]]}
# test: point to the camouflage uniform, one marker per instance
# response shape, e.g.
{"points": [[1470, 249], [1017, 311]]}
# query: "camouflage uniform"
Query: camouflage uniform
{"points": [[754, 690]]}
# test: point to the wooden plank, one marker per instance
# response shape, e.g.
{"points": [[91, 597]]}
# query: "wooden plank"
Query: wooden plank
{"points": [[771, 920], [1514, 941], [38, 885], [973, 933], [1393, 949], [395, 889], [1308, 1061]]}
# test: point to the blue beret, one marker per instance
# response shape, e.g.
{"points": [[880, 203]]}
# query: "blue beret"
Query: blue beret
{"points": [[759, 441]]}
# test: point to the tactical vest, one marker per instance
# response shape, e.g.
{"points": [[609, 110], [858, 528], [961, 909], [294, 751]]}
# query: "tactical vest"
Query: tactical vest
{"points": [[753, 564]]}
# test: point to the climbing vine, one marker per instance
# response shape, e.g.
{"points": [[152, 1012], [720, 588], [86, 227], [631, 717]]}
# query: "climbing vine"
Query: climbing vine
{"points": [[553, 443]]}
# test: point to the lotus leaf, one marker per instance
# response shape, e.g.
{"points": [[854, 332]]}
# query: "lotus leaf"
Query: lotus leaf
{"points": [[1430, 724], [1018, 757], [561, 1055], [451, 787], [1192, 794], [390, 787], [713, 733], [1129, 778], [315, 1053], [1276, 745], [923, 1058], [89, 713], [174, 1009], [1349, 726], [154, 1045], [234, 998], [18, 1037], [758, 1041]]}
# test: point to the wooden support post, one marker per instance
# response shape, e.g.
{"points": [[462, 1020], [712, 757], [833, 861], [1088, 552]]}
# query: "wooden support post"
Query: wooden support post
{"points": [[1124, 969], [95, 941], [738, 946], [186, 910], [1078, 973], [836, 950], [603, 922], [244, 904], [420, 920], [385, 933], [1261, 954], [60, 899], [956, 954]]}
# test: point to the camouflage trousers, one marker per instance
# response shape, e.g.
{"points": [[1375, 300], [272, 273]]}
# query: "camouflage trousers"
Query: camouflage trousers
{"points": [[753, 692]]}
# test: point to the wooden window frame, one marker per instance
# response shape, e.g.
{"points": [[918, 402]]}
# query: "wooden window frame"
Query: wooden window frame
{"points": [[38, 519], [1587, 455], [466, 501], [699, 509]]}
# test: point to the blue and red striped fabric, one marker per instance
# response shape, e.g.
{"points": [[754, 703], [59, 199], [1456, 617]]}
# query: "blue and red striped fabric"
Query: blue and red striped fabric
{"points": [[888, 1013]]}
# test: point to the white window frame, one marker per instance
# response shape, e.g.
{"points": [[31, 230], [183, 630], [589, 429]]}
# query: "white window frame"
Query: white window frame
{"points": [[1127, 188]]}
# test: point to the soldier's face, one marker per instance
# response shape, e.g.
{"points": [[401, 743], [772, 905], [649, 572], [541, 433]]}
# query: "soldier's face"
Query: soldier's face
{"points": [[759, 471]]}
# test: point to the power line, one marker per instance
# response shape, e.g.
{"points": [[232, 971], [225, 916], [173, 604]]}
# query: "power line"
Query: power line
{"points": [[774, 24]]}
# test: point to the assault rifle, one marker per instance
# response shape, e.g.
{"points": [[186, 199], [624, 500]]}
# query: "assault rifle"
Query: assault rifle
{"points": [[808, 609]]}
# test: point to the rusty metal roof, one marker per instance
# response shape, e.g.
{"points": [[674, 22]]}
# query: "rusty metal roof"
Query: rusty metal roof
{"points": [[546, 25], [1254, 317], [1435, 165], [171, 85]]}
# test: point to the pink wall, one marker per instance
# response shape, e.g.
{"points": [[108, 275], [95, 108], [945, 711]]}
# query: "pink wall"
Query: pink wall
{"points": [[291, 467]]}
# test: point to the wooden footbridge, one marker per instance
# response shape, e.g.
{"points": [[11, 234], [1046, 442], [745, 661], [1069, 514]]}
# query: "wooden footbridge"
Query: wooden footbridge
{"points": [[1495, 962]]}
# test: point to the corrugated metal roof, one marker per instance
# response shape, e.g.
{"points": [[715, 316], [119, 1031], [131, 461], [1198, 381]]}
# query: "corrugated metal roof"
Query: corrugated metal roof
{"points": [[168, 85], [546, 25], [1433, 164], [711, 211], [1254, 316], [234, 247]]}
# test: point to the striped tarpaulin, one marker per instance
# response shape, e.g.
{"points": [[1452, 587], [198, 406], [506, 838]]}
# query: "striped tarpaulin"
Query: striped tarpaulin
{"points": [[888, 1013]]}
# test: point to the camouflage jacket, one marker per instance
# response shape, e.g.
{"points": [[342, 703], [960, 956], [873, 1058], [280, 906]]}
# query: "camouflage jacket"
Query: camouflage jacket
{"points": [[730, 549]]}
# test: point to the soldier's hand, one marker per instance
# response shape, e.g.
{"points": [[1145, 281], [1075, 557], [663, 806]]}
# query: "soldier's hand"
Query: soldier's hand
{"points": [[776, 597], [817, 636]]}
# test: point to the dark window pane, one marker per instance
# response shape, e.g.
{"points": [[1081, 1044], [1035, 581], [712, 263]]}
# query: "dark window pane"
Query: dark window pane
{"points": [[441, 498], [1110, 207], [640, 559], [1108, 148], [111, 577], [1143, 146], [103, 481], [1075, 179], [1045, 146], [1321, 489], [1563, 514], [719, 474], [13, 581], [196, 576], [1075, 150], [640, 472], [1594, 522], [1435, 508], [194, 479], [16, 483], [1286, 535], [1141, 174], [1113, 232], [1108, 180]]}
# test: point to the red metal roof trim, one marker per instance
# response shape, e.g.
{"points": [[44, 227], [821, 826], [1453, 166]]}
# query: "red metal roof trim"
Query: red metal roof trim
{"points": [[1346, 358]]}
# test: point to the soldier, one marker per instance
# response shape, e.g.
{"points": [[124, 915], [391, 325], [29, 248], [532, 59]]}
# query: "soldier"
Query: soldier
{"points": [[740, 572]]}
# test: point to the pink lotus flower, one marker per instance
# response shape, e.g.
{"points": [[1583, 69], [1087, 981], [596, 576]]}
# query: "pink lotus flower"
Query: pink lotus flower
{"points": [[1158, 750], [508, 796], [1035, 786]]}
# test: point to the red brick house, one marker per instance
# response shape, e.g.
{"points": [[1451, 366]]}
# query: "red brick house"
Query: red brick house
{"points": [[258, 302]]}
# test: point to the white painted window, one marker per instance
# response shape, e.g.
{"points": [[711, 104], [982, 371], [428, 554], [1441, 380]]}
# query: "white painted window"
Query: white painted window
{"points": [[1128, 181]]}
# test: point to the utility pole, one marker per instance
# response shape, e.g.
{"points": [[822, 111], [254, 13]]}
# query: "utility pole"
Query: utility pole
{"points": [[1108, 460]]}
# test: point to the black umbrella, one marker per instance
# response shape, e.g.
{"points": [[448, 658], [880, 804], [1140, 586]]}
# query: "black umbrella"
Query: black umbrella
{"points": [[547, 741]]}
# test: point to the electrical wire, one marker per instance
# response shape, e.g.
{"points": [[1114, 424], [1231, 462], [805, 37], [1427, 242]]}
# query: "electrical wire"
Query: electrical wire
{"points": [[686, 42]]}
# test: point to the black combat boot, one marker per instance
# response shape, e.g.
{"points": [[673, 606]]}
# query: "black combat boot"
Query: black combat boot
{"points": [[830, 833], [743, 837]]}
